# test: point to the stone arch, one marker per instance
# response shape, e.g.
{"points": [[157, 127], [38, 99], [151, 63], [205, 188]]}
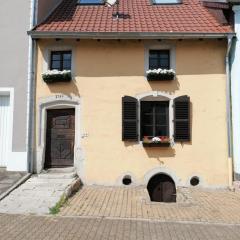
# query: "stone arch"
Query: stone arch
{"points": [[161, 188], [162, 170]]}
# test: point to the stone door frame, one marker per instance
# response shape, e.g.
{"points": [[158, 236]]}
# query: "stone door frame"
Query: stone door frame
{"points": [[58, 101]]}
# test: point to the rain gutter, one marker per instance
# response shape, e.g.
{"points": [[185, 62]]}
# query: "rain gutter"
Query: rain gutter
{"points": [[126, 35]]}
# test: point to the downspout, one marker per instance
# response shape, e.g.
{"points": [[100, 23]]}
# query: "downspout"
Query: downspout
{"points": [[229, 112], [31, 91]]}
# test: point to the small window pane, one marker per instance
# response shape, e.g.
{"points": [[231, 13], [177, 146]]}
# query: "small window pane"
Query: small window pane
{"points": [[56, 56], [161, 108], [153, 54], [56, 65], [66, 65], [148, 119], [161, 131], [147, 107], [161, 119], [159, 59], [147, 131], [153, 63], [67, 56]]}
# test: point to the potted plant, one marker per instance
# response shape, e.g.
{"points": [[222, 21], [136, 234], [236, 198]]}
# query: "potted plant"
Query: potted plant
{"points": [[158, 141], [52, 76], [160, 74]]}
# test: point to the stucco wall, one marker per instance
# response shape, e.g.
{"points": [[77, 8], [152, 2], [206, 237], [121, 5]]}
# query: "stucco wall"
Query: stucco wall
{"points": [[107, 70], [14, 23]]}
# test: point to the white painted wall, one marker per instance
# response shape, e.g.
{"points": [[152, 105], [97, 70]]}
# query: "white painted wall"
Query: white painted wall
{"points": [[14, 24], [235, 91]]}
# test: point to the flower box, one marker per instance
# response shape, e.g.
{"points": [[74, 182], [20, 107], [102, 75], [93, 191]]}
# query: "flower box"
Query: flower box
{"points": [[53, 76], [161, 141], [160, 74]]}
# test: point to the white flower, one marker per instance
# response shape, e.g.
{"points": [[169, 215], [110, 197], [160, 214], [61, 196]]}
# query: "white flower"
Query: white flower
{"points": [[160, 71], [56, 72], [156, 139]]}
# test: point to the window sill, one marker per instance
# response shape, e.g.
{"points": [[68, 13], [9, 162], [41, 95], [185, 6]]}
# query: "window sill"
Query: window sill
{"points": [[160, 78], [165, 144], [51, 77], [53, 81]]}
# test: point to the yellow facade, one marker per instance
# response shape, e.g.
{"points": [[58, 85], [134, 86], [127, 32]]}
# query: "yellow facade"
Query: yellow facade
{"points": [[104, 71]]}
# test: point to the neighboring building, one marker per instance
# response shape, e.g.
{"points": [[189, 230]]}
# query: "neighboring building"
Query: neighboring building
{"points": [[103, 121], [14, 46], [16, 18], [235, 91]]}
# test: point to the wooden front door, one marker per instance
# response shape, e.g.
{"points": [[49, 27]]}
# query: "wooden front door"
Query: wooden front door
{"points": [[162, 189], [60, 138]]}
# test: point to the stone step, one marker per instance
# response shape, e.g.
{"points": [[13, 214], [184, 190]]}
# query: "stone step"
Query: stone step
{"points": [[70, 175], [60, 170]]}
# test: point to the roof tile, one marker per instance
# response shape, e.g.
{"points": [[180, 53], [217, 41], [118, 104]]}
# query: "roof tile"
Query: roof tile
{"points": [[141, 16]]}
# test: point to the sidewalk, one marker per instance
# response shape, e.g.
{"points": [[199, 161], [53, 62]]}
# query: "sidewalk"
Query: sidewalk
{"points": [[20, 227], [195, 205], [39, 193]]}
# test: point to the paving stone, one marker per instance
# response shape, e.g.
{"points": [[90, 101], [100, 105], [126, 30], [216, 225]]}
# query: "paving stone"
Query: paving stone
{"points": [[19, 227], [207, 206]]}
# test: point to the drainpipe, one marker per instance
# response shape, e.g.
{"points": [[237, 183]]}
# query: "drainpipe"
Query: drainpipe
{"points": [[31, 91], [235, 95], [229, 112]]}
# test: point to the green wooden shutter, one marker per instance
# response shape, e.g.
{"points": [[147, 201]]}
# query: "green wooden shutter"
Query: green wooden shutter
{"points": [[129, 119], [182, 131]]}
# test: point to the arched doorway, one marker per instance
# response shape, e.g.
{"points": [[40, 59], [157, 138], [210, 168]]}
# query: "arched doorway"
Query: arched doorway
{"points": [[161, 188]]}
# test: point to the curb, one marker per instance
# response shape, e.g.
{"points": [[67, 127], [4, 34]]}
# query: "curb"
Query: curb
{"points": [[73, 188], [16, 185]]}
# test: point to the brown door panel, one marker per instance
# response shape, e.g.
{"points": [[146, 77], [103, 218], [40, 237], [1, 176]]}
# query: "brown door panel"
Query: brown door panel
{"points": [[60, 138]]}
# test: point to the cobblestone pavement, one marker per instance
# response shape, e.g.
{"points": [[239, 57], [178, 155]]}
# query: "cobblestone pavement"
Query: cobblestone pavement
{"points": [[195, 205], [20, 227]]}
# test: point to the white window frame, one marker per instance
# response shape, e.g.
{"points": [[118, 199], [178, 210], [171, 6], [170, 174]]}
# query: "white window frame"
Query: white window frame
{"points": [[157, 96]]}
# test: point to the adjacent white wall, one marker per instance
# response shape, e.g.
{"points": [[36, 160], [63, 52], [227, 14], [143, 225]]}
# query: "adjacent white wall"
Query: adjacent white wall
{"points": [[235, 91], [14, 24]]}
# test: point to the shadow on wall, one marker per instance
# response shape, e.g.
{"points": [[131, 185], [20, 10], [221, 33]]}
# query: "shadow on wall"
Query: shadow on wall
{"points": [[165, 86], [155, 152], [65, 88], [160, 152]]}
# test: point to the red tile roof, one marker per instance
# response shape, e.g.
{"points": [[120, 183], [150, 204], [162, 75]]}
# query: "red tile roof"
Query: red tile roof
{"points": [[141, 17]]}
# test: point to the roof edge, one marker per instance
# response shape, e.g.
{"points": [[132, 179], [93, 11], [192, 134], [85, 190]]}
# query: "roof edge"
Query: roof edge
{"points": [[126, 35]]}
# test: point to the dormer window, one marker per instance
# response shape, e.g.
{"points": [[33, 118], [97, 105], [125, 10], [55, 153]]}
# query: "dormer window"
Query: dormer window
{"points": [[90, 2], [156, 2]]}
